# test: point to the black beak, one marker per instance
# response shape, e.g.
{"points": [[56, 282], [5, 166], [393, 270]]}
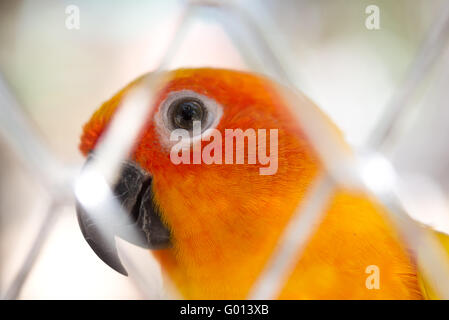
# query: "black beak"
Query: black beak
{"points": [[142, 225]]}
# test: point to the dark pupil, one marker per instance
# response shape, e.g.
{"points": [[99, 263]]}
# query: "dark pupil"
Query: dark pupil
{"points": [[186, 112]]}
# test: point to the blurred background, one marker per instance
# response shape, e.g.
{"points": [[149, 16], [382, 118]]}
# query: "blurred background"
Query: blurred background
{"points": [[59, 76]]}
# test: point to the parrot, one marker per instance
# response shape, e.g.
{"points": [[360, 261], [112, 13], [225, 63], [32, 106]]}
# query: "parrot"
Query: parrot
{"points": [[214, 226]]}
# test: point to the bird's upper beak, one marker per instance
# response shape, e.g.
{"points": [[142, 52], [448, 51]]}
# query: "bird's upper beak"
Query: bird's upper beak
{"points": [[143, 225]]}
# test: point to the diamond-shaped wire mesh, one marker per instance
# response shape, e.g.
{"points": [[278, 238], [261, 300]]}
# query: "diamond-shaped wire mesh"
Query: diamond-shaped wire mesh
{"points": [[261, 52]]}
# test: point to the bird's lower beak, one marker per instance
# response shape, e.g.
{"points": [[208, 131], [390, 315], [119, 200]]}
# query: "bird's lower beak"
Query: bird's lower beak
{"points": [[143, 225]]}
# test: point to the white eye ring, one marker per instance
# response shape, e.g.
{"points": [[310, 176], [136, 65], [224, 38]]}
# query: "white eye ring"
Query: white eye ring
{"points": [[164, 126]]}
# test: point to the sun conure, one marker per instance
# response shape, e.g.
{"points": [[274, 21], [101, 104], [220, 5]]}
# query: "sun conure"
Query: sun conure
{"points": [[213, 225]]}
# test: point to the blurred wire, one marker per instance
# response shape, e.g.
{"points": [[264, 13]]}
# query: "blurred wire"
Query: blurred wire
{"points": [[381, 182], [431, 48], [116, 144], [47, 224], [39, 160], [113, 148], [346, 170], [252, 42], [343, 167], [300, 228], [55, 176]]}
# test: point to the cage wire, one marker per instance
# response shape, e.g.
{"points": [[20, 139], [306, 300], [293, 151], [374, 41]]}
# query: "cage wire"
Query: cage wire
{"points": [[90, 186]]}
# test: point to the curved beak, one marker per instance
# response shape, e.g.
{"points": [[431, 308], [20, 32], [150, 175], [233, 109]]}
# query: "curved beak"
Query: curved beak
{"points": [[141, 224]]}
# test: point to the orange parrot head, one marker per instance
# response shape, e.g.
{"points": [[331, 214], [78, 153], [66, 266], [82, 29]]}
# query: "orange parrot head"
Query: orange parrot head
{"points": [[212, 180]]}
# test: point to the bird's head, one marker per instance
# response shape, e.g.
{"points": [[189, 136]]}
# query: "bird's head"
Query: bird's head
{"points": [[196, 200]]}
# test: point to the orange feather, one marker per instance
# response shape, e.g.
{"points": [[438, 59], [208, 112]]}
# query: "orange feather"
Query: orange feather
{"points": [[226, 219]]}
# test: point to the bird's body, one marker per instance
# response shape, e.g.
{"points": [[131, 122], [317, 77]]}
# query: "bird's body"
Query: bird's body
{"points": [[226, 219]]}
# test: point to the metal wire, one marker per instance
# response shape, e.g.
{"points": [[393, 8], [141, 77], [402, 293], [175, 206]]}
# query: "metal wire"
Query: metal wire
{"points": [[58, 177], [47, 224], [431, 49], [300, 228], [343, 167], [18, 131], [118, 142]]}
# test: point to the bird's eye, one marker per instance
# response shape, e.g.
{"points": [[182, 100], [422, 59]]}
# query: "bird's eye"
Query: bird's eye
{"points": [[180, 110], [183, 112]]}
